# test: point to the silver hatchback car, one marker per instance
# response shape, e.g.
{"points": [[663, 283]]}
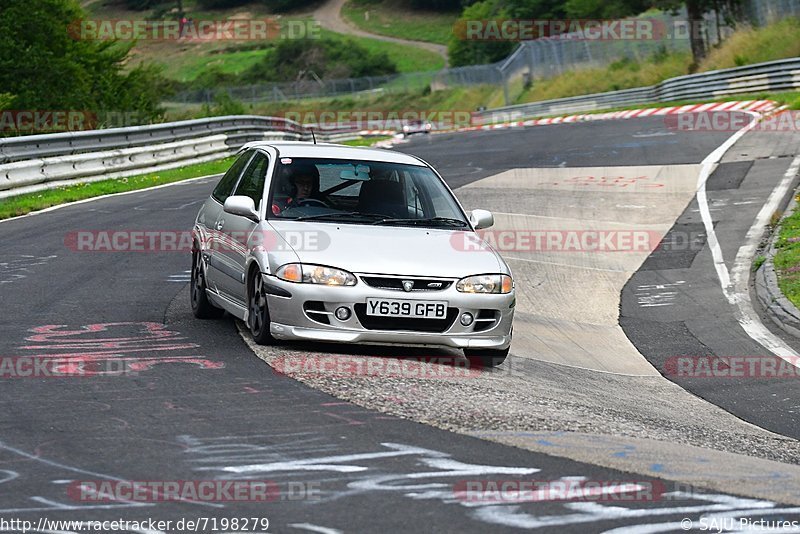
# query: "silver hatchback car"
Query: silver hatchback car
{"points": [[352, 245]]}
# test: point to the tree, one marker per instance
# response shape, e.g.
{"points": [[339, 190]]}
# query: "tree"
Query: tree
{"points": [[463, 51], [6, 101], [727, 10], [605, 9], [47, 68]]}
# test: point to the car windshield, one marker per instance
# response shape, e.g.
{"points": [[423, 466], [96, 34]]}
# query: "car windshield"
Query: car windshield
{"points": [[362, 192]]}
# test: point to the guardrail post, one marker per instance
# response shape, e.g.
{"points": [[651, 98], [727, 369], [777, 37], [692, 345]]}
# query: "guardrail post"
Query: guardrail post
{"points": [[504, 81]]}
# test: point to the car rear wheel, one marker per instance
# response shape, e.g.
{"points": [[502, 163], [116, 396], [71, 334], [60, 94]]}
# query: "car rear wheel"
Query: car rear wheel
{"points": [[258, 312], [201, 306], [479, 358]]}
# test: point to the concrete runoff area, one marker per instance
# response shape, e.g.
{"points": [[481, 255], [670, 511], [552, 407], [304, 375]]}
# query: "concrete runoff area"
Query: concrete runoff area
{"points": [[569, 287], [573, 372]]}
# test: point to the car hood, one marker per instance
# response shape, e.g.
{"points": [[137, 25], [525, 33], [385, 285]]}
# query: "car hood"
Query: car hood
{"points": [[396, 250]]}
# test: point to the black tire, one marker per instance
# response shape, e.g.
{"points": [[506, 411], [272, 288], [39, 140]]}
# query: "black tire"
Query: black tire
{"points": [[485, 358], [258, 311], [201, 306]]}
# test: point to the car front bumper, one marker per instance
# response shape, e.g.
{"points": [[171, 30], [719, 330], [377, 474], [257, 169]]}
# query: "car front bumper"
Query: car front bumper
{"points": [[291, 321]]}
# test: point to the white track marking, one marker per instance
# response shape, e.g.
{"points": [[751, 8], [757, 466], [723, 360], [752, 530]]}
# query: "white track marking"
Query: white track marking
{"points": [[741, 269], [52, 463], [315, 528], [736, 291]]}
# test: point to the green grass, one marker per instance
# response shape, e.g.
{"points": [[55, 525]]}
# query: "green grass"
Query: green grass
{"points": [[787, 257], [749, 45], [22, 204], [365, 141], [407, 58], [619, 75], [188, 62], [236, 62], [455, 99], [745, 46], [389, 17]]}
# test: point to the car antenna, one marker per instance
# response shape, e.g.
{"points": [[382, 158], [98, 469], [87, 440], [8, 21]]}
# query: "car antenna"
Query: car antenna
{"points": [[314, 137]]}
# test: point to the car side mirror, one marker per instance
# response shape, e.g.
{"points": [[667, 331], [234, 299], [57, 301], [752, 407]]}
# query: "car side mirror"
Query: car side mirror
{"points": [[481, 219], [242, 206]]}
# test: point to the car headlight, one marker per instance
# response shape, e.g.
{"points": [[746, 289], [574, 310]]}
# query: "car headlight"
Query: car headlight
{"points": [[486, 283], [315, 274]]}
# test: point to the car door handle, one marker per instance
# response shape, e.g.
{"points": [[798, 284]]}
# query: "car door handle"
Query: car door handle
{"points": [[220, 224]]}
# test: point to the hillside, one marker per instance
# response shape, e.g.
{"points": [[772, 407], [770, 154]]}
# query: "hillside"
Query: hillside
{"points": [[185, 61]]}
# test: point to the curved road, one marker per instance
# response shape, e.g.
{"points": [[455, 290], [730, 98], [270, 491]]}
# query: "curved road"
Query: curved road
{"points": [[329, 14], [169, 398]]}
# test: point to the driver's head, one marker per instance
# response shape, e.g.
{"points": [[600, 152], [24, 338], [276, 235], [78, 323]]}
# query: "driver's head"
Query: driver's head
{"points": [[305, 179]]}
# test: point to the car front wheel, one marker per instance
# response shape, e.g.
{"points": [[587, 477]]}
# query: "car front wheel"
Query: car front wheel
{"points": [[201, 307], [258, 314]]}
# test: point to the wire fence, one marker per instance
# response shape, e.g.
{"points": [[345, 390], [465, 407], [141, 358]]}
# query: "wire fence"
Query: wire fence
{"points": [[762, 12], [534, 59]]}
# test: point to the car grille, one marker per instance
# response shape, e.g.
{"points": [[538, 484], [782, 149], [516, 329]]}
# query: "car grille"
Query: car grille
{"points": [[486, 320], [396, 283], [315, 310], [372, 322]]}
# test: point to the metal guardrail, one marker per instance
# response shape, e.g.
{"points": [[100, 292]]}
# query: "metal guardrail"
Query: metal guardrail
{"points": [[239, 129], [31, 162], [780, 75], [34, 163]]}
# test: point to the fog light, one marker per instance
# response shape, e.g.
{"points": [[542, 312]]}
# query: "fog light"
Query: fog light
{"points": [[466, 319], [342, 313]]}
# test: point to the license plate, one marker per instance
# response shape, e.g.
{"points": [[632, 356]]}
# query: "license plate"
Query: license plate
{"points": [[416, 309]]}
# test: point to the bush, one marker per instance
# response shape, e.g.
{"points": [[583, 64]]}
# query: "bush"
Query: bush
{"points": [[5, 101], [224, 104], [327, 58]]}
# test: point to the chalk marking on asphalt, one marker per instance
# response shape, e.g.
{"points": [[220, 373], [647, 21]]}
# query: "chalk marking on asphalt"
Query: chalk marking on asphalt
{"points": [[121, 193], [315, 528], [736, 291], [85, 472]]}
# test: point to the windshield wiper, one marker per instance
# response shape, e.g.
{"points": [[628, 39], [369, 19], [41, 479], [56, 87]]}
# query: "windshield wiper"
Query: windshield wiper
{"points": [[337, 215], [435, 221]]}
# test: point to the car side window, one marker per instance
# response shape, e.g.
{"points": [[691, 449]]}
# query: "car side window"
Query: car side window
{"points": [[252, 182], [225, 186]]}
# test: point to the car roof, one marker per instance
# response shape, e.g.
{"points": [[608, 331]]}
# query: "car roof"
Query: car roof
{"points": [[302, 149]]}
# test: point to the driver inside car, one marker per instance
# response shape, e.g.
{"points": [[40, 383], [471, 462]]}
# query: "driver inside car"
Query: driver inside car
{"points": [[304, 182], [305, 185]]}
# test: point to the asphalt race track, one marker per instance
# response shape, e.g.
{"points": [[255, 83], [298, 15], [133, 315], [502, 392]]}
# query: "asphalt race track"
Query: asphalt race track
{"points": [[177, 399]]}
